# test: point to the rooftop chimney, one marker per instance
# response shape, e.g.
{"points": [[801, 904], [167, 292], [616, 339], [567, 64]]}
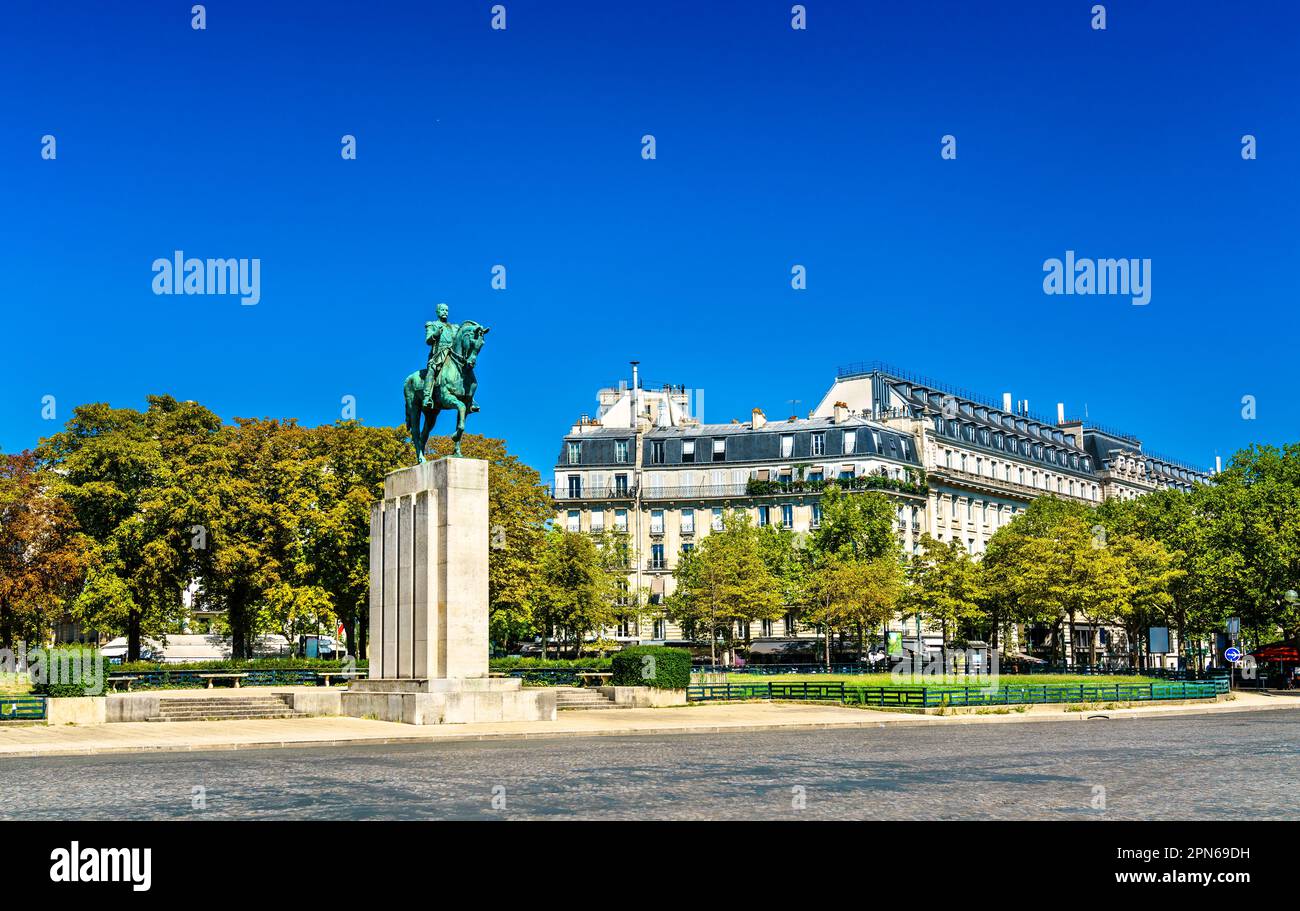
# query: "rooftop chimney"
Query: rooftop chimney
{"points": [[760, 419], [636, 398], [1006, 402], [841, 412], [1060, 412], [1218, 464]]}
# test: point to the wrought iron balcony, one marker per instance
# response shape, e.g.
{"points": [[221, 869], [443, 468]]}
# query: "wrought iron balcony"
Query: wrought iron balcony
{"points": [[590, 492]]}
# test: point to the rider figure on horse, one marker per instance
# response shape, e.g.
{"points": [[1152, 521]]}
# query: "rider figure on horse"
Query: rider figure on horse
{"points": [[439, 336]]}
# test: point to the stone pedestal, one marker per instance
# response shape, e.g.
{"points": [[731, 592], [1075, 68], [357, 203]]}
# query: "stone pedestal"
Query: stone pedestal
{"points": [[429, 605]]}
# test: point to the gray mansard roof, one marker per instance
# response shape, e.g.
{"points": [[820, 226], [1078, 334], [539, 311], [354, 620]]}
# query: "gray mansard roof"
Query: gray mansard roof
{"points": [[745, 444]]}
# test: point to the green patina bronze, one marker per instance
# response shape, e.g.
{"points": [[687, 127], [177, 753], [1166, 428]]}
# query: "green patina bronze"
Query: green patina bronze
{"points": [[447, 381]]}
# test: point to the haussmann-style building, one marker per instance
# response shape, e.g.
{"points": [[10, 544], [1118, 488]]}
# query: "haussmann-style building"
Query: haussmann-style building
{"points": [[955, 465]]}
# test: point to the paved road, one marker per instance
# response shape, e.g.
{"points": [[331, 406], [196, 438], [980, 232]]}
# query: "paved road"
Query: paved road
{"points": [[1230, 766]]}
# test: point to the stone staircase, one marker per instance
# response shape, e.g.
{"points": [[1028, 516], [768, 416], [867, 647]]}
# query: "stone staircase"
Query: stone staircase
{"points": [[576, 697], [224, 708]]}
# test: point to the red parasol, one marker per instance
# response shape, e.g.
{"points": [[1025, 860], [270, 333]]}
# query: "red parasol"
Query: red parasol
{"points": [[1278, 651]]}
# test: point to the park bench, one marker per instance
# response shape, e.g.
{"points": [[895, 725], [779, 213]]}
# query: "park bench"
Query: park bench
{"points": [[598, 676], [125, 679], [214, 677], [347, 675]]}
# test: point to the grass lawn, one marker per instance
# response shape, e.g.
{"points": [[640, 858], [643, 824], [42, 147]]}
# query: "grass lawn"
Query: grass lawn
{"points": [[15, 685], [860, 681]]}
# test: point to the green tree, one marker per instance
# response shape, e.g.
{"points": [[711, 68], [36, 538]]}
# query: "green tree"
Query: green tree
{"points": [[861, 524], [724, 582], [42, 554], [944, 586], [128, 479], [352, 460], [1052, 565], [1253, 511], [848, 593], [575, 591]]}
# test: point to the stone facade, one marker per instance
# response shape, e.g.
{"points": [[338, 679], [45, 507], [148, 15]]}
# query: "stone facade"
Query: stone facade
{"points": [[956, 467]]}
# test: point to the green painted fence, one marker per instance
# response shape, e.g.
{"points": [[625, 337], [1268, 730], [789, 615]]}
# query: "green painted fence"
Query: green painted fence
{"points": [[959, 696], [22, 708]]}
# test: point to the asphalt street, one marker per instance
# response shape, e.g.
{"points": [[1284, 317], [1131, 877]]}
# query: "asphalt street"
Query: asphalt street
{"points": [[1226, 766]]}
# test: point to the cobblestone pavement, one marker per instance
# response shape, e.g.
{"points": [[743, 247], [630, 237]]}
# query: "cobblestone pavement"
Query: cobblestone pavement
{"points": [[1228, 766]]}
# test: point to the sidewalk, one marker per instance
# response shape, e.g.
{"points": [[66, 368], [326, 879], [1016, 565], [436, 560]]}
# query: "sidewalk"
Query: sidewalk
{"points": [[130, 737]]}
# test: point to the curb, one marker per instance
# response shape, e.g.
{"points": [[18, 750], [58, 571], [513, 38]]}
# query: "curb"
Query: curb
{"points": [[919, 721]]}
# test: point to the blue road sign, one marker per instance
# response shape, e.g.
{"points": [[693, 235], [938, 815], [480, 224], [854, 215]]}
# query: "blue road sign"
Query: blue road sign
{"points": [[1232, 654]]}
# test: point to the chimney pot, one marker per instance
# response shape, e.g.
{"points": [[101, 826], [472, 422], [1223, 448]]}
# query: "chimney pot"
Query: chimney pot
{"points": [[1006, 402], [760, 419]]}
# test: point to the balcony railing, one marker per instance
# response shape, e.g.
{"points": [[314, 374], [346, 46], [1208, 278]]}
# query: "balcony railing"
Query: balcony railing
{"points": [[589, 492], [693, 492], [1012, 487], [656, 565]]}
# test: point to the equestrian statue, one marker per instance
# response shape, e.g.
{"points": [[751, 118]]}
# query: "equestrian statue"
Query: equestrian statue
{"points": [[447, 381]]}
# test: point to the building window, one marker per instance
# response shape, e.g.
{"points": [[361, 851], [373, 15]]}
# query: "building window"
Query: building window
{"points": [[766, 627], [656, 521], [573, 524], [791, 627], [762, 516], [657, 557], [818, 444], [575, 486], [816, 515], [688, 451], [970, 510], [787, 445], [716, 523], [620, 520], [661, 629], [620, 451], [850, 441], [947, 458], [656, 452], [688, 521], [687, 547], [787, 515], [575, 453], [620, 485], [720, 450], [744, 631], [597, 520], [953, 511]]}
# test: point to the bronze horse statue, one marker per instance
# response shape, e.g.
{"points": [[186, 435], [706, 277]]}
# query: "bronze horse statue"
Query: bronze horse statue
{"points": [[454, 388]]}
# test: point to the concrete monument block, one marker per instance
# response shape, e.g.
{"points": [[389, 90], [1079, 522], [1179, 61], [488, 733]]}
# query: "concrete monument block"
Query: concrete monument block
{"points": [[429, 604]]}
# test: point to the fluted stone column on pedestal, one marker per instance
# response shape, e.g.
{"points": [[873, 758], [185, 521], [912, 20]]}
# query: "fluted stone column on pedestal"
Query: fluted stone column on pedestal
{"points": [[429, 605]]}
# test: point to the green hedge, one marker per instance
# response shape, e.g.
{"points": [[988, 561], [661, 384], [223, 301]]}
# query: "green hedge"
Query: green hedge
{"points": [[250, 664], [64, 657], [652, 665], [539, 664]]}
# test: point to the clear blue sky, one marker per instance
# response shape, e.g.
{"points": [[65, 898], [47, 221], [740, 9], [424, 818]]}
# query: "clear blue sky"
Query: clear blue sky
{"points": [[775, 147]]}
